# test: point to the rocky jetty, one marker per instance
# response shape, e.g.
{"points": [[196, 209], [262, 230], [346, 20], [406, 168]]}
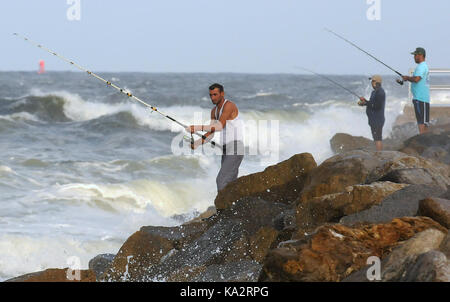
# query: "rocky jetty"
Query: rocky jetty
{"points": [[299, 221]]}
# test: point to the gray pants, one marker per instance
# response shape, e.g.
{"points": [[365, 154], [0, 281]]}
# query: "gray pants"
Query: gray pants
{"points": [[231, 160]]}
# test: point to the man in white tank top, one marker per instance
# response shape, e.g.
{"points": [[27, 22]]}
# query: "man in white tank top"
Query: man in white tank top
{"points": [[224, 118]]}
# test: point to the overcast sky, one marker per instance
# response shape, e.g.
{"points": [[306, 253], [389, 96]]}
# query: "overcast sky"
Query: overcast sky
{"points": [[250, 36]]}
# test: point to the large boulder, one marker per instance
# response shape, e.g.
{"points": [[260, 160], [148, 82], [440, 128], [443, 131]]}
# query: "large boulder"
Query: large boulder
{"points": [[234, 242], [415, 176], [365, 167], [436, 208], [100, 263], [404, 202], [57, 275], [432, 266], [282, 182], [434, 145], [146, 247], [445, 246], [333, 252], [331, 207], [417, 259], [343, 142]]}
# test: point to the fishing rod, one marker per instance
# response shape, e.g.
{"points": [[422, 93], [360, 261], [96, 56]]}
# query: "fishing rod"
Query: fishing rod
{"points": [[334, 82], [130, 95], [351, 43]]}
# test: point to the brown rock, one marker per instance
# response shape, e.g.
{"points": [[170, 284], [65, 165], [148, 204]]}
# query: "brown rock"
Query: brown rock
{"points": [[343, 142], [436, 208], [56, 275], [335, 251], [282, 182], [330, 208]]}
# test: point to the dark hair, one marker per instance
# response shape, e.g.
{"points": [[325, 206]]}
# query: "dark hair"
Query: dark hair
{"points": [[215, 85]]}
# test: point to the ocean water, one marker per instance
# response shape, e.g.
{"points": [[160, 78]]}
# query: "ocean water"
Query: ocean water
{"points": [[82, 167]]}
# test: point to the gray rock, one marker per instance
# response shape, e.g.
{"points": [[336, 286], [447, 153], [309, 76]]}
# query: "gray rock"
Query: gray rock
{"points": [[446, 195], [432, 266], [404, 202], [100, 263], [244, 232], [239, 271], [417, 176], [434, 145], [445, 246]]}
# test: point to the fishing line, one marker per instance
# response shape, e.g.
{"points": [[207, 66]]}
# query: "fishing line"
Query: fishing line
{"points": [[359, 48], [130, 95]]}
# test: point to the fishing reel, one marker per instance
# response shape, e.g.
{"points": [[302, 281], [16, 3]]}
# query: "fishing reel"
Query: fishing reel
{"points": [[401, 82], [189, 140]]}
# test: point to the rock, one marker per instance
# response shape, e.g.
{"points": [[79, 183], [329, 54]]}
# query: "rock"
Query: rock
{"points": [[445, 246], [439, 115], [233, 236], [333, 252], [211, 211], [417, 176], [365, 167], [332, 207], [432, 266], [146, 248], [404, 202], [57, 275], [393, 269], [446, 195], [343, 142], [100, 263], [437, 209], [430, 145], [282, 182], [239, 271], [409, 261]]}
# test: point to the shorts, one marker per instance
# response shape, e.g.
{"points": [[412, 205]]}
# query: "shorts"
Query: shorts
{"points": [[422, 111], [377, 132]]}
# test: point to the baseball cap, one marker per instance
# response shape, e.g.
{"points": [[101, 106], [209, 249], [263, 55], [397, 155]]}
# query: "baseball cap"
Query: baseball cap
{"points": [[376, 78], [419, 51]]}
